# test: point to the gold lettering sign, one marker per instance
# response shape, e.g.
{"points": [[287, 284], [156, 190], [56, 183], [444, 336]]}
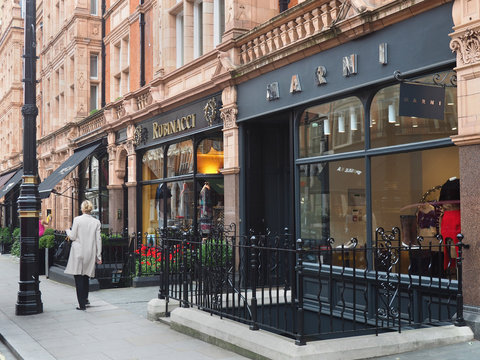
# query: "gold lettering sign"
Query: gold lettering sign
{"points": [[173, 126]]}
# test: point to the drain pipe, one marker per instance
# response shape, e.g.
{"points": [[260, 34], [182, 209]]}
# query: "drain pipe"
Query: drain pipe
{"points": [[141, 21], [103, 54]]}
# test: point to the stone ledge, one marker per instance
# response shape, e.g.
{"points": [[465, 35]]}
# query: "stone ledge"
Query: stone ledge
{"points": [[56, 273], [260, 344]]}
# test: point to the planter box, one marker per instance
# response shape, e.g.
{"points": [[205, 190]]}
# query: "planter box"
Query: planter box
{"points": [[5, 248]]}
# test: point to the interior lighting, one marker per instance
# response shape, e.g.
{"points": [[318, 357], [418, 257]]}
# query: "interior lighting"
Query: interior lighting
{"points": [[341, 124], [391, 114], [326, 126], [353, 119]]}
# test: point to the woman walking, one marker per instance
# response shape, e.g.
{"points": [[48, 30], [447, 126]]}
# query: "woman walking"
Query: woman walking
{"points": [[86, 250]]}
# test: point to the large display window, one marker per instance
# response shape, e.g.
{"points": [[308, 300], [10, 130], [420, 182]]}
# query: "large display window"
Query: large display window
{"points": [[387, 128], [332, 128], [191, 194], [402, 177], [93, 185]]}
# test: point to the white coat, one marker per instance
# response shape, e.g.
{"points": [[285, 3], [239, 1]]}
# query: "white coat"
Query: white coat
{"points": [[86, 246]]}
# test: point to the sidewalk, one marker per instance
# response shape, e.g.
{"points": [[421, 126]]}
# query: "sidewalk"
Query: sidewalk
{"points": [[115, 327]]}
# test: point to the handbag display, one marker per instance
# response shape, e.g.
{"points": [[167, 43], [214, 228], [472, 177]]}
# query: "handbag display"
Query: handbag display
{"points": [[63, 251]]}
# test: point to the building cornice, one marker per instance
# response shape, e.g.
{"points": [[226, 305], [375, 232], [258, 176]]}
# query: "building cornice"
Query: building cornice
{"points": [[343, 28]]}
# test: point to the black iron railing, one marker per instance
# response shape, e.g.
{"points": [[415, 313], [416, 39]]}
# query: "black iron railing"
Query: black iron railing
{"points": [[301, 288], [118, 258], [312, 291]]}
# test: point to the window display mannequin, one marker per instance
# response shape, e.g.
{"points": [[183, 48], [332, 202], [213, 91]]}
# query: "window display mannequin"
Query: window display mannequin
{"points": [[206, 209], [183, 201], [450, 219], [162, 193]]}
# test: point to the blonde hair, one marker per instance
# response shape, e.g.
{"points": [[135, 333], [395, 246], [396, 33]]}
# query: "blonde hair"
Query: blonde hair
{"points": [[86, 207]]}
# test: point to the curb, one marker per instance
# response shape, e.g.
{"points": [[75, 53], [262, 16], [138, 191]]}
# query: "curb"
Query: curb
{"points": [[261, 344]]}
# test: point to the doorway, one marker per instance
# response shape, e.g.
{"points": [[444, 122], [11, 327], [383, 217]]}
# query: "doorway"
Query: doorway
{"points": [[268, 177]]}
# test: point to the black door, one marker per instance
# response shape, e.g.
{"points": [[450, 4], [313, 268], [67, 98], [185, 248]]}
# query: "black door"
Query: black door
{"points": [[268, 183]]}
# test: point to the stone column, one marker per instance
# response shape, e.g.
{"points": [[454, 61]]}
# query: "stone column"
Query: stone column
{"points": [[466, 43], [132, 181], [231, 168], [116, 174]]}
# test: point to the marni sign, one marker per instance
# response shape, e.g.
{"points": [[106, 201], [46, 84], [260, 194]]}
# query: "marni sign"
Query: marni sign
{"points": [[423, 101]]}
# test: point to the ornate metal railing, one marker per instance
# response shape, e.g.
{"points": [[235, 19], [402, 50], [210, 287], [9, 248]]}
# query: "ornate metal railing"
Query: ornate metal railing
{"points": [[306, 289], [118, 261]]}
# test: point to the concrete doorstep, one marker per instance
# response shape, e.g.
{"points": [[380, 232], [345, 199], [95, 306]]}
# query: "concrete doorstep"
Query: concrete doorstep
{"points": [[260, 344]]}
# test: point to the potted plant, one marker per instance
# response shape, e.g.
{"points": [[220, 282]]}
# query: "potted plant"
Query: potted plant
{"points": [[5, 240]]}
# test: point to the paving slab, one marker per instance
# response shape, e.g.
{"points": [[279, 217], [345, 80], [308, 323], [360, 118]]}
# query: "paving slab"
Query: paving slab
{"points": [[115, 327]]}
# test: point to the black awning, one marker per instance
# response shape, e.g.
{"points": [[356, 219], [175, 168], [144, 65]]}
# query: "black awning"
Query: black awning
{"points": [[5, 177], [10, 184], [46, 187]]}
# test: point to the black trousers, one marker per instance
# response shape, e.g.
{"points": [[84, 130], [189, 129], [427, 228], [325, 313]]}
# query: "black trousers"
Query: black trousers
{"points": [[81, 284]]}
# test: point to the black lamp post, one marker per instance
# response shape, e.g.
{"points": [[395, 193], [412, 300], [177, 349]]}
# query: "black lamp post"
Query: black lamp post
{"points": [[29, 297]]}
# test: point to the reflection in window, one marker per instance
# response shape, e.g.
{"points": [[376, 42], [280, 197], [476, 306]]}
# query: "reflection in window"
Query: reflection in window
{"points": [[403, 185], [210, 156], [180, 158], [152, 164], [388, 128], [210, 204], [332, 202], [331, 128], [93, 186]]}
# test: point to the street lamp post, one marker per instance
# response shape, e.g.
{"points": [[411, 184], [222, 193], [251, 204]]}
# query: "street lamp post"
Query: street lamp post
{"points": [[29, 297]]}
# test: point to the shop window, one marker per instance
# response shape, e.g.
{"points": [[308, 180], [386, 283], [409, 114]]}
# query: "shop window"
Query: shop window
{"points": [[387, 128], [331, 128], [180, 158], [210, 156], [210, 204], [404, 188], [333, 202], [168, 204], [93, 186], [152, 164]]}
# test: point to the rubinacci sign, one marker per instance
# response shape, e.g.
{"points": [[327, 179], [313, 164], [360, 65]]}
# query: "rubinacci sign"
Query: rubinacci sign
{"points": [[182, 121], [174, 126]]}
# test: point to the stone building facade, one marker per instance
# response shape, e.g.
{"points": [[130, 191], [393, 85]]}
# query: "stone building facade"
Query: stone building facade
{"points": [[109, 69]]}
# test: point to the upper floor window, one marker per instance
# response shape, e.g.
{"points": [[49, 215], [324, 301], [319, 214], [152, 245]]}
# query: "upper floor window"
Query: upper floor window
{"points": [[94, 7], [120, 68], [179, 39], [198, 29], [93, 97], [218, 21], [94, 66]]}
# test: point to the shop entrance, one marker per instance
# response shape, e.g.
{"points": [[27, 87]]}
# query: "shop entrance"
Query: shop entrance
{"points": [[268, 180]]}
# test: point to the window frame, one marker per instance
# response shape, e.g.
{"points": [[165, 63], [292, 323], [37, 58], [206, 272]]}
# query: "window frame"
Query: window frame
{"points": [[366, 97]]}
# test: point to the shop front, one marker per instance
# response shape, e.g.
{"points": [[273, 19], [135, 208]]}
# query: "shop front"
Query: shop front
{"points": [[356, 147], [89, 164], [9, 191], [180, 156]]}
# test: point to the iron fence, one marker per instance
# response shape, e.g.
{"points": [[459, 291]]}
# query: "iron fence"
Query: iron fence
{"points": [[118, 258], [306, 290]]}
